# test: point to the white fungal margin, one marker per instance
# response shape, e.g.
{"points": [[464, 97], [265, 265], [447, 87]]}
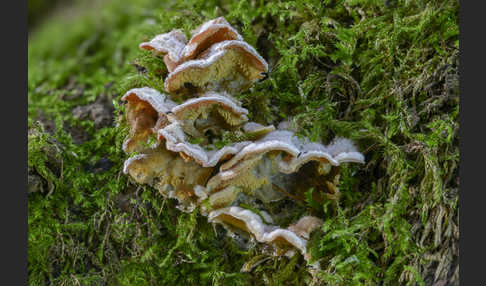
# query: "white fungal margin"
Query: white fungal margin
{"points": [[212, 97], [216, 52], [157, 100], [130, 160], [171, 44], [301, 151], [262, 232], [205, 32], [176, 142]]}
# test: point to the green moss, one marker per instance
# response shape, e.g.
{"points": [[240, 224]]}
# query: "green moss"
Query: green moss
{"points": [[384, 76]]}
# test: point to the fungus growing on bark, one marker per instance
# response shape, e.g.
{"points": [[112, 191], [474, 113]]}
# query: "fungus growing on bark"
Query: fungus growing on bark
{"points": [[273, 163], [242, 174], [209, 112], [256, 129], [176, 49], [340, 151], [305, 226], [252, 223], [207, 155], [170, 45], [231, 66], [177, 141], [169, 174], [224, 197], [209, 33], [145, 114], [299, 151], [196, 123]]}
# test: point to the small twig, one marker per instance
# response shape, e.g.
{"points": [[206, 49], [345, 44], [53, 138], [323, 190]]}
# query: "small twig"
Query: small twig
{"points": [[286, 193]]}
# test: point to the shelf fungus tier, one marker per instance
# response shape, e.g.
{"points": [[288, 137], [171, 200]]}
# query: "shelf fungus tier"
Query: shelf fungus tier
{"points": [[209, 33], [284, 240], [170, 45], [169, 174], [205, 153], [209, 129], [282, 165], [210, 112], [145, 113], [232, 66], [176, 49], [177, 141]]}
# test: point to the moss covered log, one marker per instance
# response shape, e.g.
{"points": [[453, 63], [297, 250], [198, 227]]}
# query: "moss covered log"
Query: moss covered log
{"points": [[383, 73]]}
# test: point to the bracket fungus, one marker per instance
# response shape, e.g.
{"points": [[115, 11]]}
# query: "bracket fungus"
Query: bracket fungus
{"points": [[170, 45], [146, 112], [206, 154], [169, 174], [229, 65], [208, 111], [281, 164], [176, 141], [176, 49], [209, 33], [252, 223]]}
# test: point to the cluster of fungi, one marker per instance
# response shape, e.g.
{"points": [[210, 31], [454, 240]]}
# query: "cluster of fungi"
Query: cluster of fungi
{"points": [[204, 152]]}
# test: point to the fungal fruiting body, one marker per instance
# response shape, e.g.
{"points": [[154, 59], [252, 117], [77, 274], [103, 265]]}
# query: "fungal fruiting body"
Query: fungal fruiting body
{"points": [[170, 45], [146, 112], [211, 32], [205, 153], [229, 65], [251, 222], [281, 163]]}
